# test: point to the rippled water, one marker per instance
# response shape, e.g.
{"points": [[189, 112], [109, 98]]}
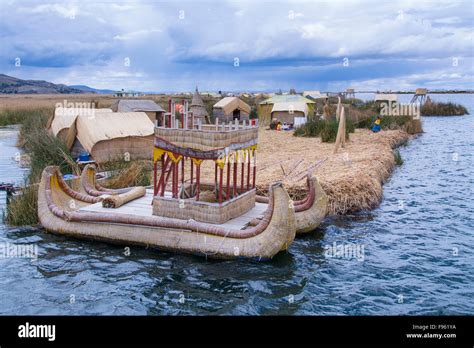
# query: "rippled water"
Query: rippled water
{"points": [[418, 253]]}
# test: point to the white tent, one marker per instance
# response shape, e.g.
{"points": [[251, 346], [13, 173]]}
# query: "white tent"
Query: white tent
{"points": [[108, 136], [64, 118]]}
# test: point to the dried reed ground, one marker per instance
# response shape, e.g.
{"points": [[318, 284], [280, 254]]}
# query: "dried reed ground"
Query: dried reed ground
{"points": [[352, 178]]}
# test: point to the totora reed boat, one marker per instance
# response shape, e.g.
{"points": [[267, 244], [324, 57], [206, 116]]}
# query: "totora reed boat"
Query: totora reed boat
{"points": [[64, 211], [309, 212], [220, 219]]}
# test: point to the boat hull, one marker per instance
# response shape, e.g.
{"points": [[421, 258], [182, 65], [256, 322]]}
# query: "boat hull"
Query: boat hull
{"points": [[261, 242]]}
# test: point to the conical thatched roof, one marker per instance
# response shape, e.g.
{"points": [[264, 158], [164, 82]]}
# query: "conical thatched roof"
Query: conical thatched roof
{"points": [[197, 106]]}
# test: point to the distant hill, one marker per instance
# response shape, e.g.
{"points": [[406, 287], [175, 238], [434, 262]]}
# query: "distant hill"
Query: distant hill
{"points": [[13, 85], [88, 89]]}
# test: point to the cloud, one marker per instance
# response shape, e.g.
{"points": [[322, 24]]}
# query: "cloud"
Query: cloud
{"points": [[300, 44]]}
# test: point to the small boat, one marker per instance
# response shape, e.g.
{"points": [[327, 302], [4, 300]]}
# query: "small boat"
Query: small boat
{"points": [[64, 211]]}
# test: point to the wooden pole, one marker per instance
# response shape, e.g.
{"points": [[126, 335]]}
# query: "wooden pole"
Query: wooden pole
{"points": [[248, 170], [162, 182], [182, 171], [175, 179], [183, 114], [169, 116], [192, 167], [170, 171], [235, 178], [341, 131], [198, 181], [228, 181], [155, 177], [215, 175], [221, 174], [254, 167], [242, 174]]}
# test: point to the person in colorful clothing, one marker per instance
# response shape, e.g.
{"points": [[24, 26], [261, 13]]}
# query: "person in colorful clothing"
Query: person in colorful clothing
{"points": [[376, 127]]}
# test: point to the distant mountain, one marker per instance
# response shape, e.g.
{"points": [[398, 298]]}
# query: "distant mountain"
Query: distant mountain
{"points": [[88, 89], [13, 85]]}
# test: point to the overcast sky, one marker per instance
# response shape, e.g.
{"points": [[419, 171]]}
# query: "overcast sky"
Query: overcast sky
{"points": [[240, 45]]}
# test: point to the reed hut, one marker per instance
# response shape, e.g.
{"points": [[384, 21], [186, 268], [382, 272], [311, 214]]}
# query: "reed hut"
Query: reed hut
{"points": [[64, 118], [108, 136], [293, 109], [230, 109], [315, 95], [420, 96], [350, 93], [154, 111], [198, 108]]}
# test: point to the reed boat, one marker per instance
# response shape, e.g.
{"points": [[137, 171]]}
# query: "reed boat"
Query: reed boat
{"points": [[309, 212], [62, 210]]}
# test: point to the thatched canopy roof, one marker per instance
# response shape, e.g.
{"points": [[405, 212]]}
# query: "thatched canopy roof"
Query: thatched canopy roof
{"points": [[108, 126], [127, 105], [229, 104], [65, 117], [197, 106]]}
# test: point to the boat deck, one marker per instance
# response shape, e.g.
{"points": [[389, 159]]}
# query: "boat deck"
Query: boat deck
{"points": [[142, 207]]}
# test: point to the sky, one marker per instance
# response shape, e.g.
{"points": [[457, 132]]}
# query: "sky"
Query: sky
{"points": [[173, 46]]}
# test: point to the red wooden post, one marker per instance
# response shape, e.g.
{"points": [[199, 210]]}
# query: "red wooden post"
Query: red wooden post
{"points": [[175, 179], [162, 182], [221, 174], [242, 174], [172, 177], [228, 181], [215, 175], [155, 177], [254, 167], [235, 177], [182, 116], [176, 186], [248, 170], [168, 160], [198, 181], [192, 168], [169, 116]]}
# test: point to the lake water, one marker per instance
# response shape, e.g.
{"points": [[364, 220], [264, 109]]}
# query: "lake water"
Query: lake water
{"points": [[413, 255]]}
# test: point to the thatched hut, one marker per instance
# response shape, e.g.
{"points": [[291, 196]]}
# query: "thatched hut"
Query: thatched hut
{"points": [[154, 111], [198, 108], [64, 118], [108, 136], [286, 108], [230, 109], [315, 95]]}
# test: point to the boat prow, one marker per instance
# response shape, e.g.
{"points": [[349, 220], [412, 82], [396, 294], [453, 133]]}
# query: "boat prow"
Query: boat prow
{"points": [[89, 185], [64, 211], [310, 211]]}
